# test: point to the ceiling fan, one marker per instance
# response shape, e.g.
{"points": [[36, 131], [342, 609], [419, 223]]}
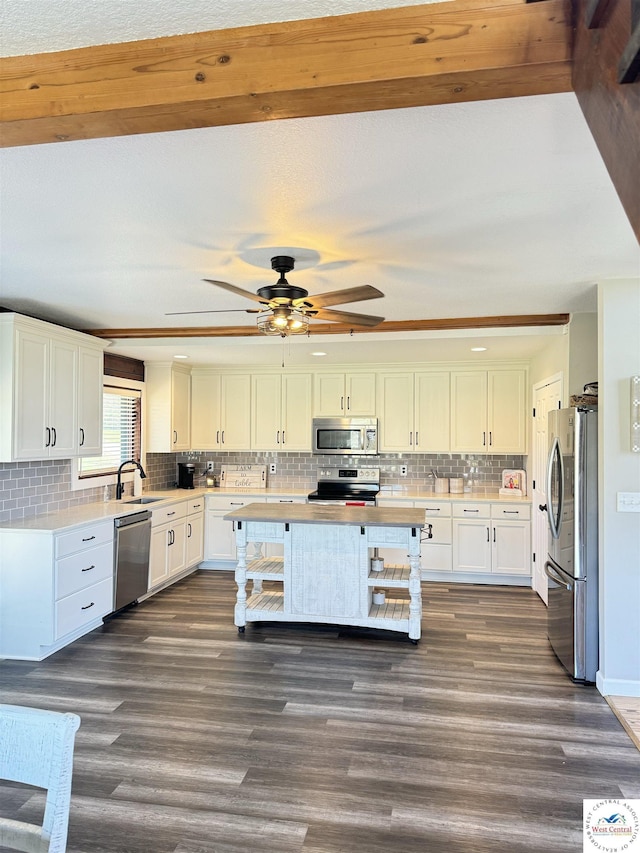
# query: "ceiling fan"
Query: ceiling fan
{"points": [[288, 310]]}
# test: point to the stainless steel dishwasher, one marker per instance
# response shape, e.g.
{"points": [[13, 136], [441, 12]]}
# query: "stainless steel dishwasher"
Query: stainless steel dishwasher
{"points": [[132, 542]]}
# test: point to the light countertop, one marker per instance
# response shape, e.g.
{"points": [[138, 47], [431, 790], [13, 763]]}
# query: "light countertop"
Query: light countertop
{"points": [[67, 519]]}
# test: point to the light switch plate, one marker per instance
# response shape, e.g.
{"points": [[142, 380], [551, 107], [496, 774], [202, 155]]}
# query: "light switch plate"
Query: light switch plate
{"points": [[628, 501]]}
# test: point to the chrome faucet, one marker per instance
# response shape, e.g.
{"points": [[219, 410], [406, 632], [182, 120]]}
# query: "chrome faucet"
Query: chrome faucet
{"points": [[120, 484]]}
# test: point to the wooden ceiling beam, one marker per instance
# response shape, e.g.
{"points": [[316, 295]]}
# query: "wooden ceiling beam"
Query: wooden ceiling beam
{"points": [[463, 50], [497, 322]]}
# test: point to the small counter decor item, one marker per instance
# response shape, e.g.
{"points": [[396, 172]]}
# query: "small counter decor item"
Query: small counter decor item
{"points": [[514, 483], [442, 485], [456, 485]]}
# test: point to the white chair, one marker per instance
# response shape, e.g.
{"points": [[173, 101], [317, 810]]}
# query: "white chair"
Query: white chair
{"points": [[36, 748]]}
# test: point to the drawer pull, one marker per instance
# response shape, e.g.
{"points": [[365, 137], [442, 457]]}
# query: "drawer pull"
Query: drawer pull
{"points": [[235, 503], [196, 506], [88, 538], [471, 510], [88, 606], [88, 569], [171, 513], [511, 511], [432, 509]]}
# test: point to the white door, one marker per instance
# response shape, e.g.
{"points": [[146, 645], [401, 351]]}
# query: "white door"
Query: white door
{"points": [[471, 545], [235, 412], [511, 548], [32, 431], [547, 395], [506, 411], [469, 412], [432, 407], [195, 538], [205, 411], [361, 395], [329, 395], [180, 410]]}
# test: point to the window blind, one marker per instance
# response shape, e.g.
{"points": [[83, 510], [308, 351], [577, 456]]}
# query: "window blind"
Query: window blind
{"points": [[121, 432]]}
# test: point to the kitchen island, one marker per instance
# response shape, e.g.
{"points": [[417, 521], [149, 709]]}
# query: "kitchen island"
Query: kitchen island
{"points": [[325, 574]]}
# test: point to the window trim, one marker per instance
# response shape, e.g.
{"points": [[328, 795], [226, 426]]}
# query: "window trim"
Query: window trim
{"points": [[100, 480]]}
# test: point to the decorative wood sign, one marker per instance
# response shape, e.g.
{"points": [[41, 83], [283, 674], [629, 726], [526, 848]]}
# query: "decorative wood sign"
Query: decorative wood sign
{"points": [[243, 477]]}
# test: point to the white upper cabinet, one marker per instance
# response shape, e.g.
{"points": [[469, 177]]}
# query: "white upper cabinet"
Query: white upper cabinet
{"points": [[281, 406], [344, 395], [414, 412], [220, 410], [488, 411], [46, 387], [90, 379], [168, 409]]}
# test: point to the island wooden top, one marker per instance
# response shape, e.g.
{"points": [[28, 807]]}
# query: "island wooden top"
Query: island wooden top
{"points": [[382, 516]]}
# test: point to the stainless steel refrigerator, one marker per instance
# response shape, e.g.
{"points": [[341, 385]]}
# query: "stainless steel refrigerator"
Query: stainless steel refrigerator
{"points": [[572, 561]]}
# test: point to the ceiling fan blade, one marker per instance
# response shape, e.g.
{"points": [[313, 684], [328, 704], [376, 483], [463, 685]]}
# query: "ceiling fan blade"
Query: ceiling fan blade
{"points": [[347, 317], [342, 297], [216, 311], [233, 289]]}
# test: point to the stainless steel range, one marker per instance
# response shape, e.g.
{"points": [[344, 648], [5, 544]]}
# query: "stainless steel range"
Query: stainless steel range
{"points": [[347, 486]]}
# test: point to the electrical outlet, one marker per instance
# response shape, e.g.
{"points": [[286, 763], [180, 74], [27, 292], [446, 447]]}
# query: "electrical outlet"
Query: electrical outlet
{"points": [[403, 470], [209, 466], [272, 468]]}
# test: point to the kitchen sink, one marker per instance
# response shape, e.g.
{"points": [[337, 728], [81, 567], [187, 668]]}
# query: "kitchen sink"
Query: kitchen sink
{"points": [[143, 500]]}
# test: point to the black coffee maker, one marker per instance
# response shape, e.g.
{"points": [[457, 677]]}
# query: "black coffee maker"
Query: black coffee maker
{"points": [[186, 473]]}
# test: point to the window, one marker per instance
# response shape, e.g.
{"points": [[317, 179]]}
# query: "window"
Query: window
{"points": [[121, 432]]}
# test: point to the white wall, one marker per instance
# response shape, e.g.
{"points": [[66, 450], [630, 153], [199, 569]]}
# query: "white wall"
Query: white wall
{"points": [[583, 351], [553, 359], [619, 470]]}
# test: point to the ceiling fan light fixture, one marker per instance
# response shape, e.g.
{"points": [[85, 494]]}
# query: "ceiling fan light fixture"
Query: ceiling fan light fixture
{"points": [[283, 322]]}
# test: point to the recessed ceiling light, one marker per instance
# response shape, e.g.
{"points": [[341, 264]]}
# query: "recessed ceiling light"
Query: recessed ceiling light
{"points": [[318, 353], [478, 349], [181, 356]]}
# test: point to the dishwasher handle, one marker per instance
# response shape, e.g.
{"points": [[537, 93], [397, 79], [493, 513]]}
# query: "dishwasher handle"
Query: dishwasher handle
{"points": [[134, 518]]}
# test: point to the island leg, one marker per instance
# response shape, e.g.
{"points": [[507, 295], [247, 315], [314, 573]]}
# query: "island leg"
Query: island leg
{"points": [[257, 555], [415, 589], [241, 578]]}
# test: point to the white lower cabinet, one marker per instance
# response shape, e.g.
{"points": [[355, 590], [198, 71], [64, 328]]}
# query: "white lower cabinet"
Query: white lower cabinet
{"points": [[492, 538], [435, 555], [54, 587], [195, 532], [167, 554], [219, 535]]}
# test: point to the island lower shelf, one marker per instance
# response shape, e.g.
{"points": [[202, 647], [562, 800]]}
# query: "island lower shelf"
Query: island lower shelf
{"points": [[325, 573]]}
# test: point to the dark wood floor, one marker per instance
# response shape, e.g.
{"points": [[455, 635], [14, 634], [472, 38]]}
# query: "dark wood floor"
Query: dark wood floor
{"points": [[195, 739]]}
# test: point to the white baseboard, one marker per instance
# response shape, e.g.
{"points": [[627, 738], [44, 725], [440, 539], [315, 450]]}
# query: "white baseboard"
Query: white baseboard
{"points": [[617, 686]]}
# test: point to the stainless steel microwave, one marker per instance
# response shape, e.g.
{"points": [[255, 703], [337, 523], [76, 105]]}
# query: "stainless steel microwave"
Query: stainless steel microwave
{"points": [[345, 436]]}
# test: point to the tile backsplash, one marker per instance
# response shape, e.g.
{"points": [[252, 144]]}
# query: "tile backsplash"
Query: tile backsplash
{"points": [[32, 488]]}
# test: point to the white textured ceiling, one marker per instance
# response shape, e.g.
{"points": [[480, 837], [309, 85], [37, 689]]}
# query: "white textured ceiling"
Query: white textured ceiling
{"points": [[496, 207]]}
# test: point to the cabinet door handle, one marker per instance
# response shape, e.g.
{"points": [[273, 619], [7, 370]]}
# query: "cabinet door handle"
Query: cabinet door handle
{"points": [[283, 436], [278, 437], [88, 606], [236, 503], [342, 404], [196, 506], [470, 510], [410, 438], [484, 439], [81, 436], [88, 538], [513, 511], [169, 514], [416, 438], [218, 437], [189, 533], [348, 402], [48, 444], [490, 439], [494, 534], [175, 436], [53, 430], [88, 569], [223, 436], [487, 534], [432, 509]]}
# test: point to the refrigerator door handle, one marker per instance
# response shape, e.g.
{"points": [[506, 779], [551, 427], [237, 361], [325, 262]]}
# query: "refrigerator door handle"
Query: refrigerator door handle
{"points": [[550, 571], [555, 450]]}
